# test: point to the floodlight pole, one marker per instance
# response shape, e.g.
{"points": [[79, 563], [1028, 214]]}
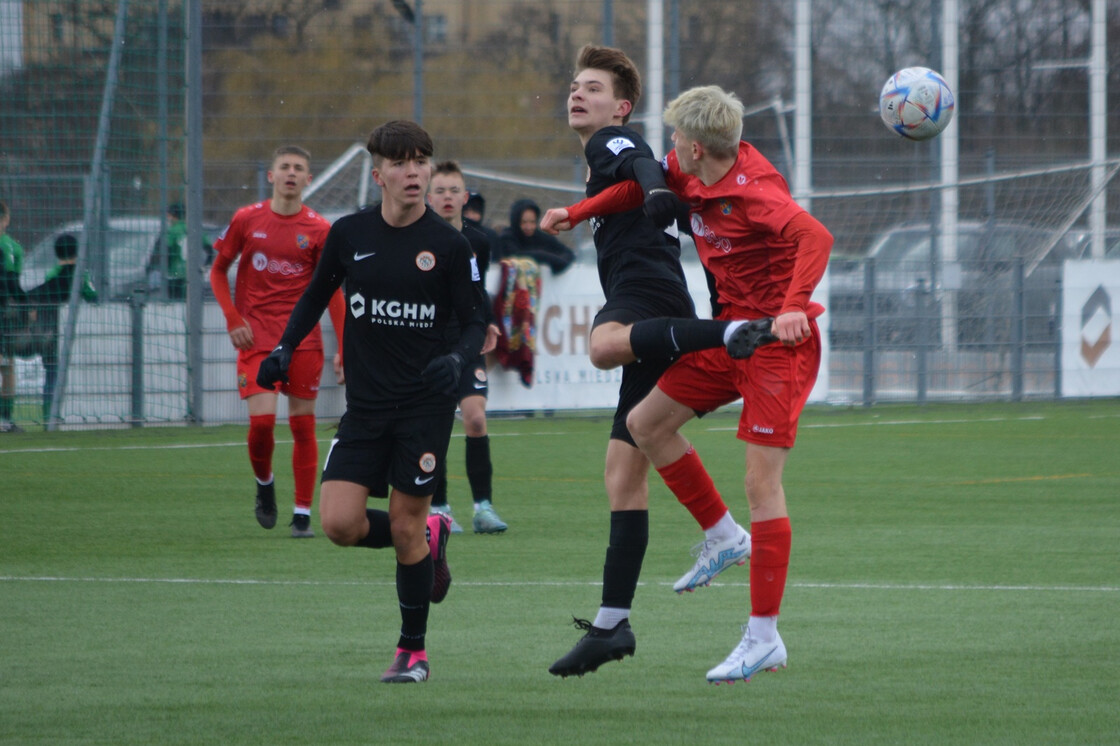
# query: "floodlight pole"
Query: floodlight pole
{"points": [[416, 18]]}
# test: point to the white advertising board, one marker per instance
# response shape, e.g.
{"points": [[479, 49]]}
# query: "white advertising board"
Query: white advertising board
{"points": [[1090, 346], [563, 376]]}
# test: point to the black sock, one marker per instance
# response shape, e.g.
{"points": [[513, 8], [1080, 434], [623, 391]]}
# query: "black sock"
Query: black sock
{"points": [[439, 498], [627, 549], [668, 339], [480, 471], [379, 535], [414, 594]]}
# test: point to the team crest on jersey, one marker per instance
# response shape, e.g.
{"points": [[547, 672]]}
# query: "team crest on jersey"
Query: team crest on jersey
{"points": [[428, 463], [426, 261], [303, 241], [725, 206], [480, 374], [618, 144]]}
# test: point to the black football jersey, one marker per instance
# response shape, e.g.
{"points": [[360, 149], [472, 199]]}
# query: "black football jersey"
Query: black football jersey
{"points": [[402, 287], [629, 246]]}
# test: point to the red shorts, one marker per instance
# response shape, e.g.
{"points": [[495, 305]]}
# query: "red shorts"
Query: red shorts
{"points": [[774, 384], [303, 374]]}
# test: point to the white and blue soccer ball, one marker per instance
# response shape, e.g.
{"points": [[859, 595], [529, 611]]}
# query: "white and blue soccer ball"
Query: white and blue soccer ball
{"points": [[916, 103]]}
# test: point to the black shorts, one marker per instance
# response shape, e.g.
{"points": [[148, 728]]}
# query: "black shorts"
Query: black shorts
{"points": [[403, 452], [474, 381], [629, 304]]}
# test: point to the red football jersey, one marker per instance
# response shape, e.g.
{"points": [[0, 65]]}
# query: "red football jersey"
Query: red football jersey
{"points": [[278, 256], [736, 225]]}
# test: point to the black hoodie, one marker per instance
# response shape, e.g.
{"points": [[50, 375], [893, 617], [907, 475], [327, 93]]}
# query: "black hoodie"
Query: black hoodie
{"points": [[540, 246]]}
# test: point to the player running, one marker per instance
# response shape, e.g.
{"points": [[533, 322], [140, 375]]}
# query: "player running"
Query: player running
{"points": [[766, 255], [279, 242], [407, 271]]}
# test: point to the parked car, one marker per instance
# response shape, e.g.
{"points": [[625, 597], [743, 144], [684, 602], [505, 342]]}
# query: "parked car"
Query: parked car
{"points": [[910, 298], [130, 240]]}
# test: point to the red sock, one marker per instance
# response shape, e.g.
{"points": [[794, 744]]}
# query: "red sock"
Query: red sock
{"points": [[261, 444], [305, 458], [690, 482], [770, 542]]}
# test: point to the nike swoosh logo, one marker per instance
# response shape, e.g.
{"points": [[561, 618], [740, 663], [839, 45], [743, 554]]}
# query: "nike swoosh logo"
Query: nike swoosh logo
{"points": [[420, 481], [749, 671], [360, 257], [480, 385]]}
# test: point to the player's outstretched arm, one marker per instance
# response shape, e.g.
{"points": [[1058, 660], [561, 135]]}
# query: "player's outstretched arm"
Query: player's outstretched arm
{"points": [[620, 197]]}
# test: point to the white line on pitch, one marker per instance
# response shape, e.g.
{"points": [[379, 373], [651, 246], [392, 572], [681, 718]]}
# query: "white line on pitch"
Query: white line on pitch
{"points": [[573, 583]]}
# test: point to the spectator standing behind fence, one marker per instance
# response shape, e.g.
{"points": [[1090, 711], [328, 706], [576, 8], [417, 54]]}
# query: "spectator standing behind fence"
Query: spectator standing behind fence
{"points": [[43, 302], [11, 265], [523, 238], [447, 195], [169, 255], [279, 242], [474, 214]]}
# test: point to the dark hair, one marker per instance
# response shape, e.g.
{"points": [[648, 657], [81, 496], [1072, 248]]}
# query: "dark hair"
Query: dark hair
{"points": [[176, 210], [291, 150], [66, 246], [625, 78], [399, 140], [447, 168], [477, 203]]}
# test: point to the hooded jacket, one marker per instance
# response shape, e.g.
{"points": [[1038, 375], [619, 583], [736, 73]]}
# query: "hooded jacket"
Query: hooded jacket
{"points": [[540, 246]]}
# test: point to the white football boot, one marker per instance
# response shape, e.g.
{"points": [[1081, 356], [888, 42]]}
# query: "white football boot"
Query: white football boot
{"points": [[749, 657], [713, 557]]}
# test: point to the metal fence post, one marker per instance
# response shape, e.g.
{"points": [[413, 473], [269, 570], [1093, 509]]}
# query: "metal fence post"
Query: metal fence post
{"points": [[869, 333]]}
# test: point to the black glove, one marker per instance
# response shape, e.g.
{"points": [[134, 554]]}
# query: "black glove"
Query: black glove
{"points": [[274, 367], [750, 336], [662, 207], [442, 373]]}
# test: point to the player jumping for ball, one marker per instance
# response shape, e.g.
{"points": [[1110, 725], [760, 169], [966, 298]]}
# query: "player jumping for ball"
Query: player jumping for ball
{"points": [[766, 255]]}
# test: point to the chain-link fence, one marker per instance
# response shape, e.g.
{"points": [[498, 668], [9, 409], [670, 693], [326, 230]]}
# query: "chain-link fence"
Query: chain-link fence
{"points": [[95, 143]]}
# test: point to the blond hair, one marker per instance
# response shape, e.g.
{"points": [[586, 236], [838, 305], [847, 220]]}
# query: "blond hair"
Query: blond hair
{"points": [[709, 115]]}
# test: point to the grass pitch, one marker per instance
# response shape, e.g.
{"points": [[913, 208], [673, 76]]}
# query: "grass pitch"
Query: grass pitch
{"points": [[955, 579]]}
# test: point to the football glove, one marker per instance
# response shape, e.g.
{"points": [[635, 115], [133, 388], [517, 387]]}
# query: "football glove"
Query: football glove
{"points": [[274, 367], [662, 206], [750, 336], [442, 373]]}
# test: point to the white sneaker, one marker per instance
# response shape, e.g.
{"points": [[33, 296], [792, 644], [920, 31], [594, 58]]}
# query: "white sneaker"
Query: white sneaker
{"points": [[713, 557], [446, 510], [749, 657]]}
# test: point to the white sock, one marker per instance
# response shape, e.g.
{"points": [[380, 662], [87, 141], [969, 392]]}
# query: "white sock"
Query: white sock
{"points": [[267, 481], [731, 327], [609, 617], [764, 628], [725, 528], [301, 511]]}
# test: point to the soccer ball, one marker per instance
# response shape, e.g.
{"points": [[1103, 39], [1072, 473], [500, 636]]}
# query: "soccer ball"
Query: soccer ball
{"points": [[916, 103]]}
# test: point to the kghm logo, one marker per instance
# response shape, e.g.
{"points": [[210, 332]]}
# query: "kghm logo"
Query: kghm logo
{"points": [[1096, 326], [392, 312]]}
